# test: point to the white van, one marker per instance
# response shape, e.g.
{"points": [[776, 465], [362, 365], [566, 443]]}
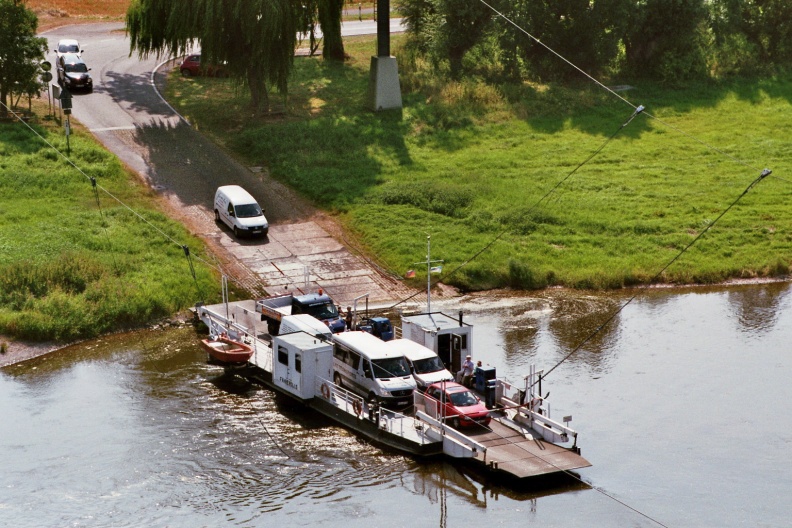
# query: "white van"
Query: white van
{"points": [[240, 211], [425, 365], [304, 323], [364, 364]]}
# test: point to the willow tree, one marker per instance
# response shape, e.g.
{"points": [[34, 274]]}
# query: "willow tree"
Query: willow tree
{"points": [[20, 51], [253, 39]]}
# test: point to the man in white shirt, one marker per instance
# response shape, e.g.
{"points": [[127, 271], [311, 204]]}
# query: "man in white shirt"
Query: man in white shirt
{"points": [[466, 374]]}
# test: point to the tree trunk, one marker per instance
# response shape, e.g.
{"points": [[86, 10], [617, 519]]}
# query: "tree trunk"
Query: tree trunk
{"points": [[259, 98], [330, 12], [4, 106]]}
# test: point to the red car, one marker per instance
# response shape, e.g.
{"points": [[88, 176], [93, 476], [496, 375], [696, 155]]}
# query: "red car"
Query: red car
{"points": [[191, 66], [457, 404]]}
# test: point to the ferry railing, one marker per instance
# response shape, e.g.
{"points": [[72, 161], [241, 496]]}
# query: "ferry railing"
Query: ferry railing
{"points": [[386, 419], [332, 393], [532, 415]]}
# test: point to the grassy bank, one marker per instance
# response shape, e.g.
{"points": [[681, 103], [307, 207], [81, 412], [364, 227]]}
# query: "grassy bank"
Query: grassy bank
{"points": [[468, 163], [76, 263]]}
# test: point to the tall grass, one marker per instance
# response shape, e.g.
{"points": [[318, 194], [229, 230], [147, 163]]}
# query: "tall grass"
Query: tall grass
{"points": [[546, 177], [74, 267]]}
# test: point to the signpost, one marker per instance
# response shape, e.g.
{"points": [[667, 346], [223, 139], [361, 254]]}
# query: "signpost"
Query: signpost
{"points": [[46, 78], [66, 104]]}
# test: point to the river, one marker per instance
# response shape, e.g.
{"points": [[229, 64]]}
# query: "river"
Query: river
{"points": [[682, 405]]}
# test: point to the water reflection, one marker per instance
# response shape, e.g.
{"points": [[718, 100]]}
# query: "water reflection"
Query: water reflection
{"points": [[137, 429], [756, 309]]}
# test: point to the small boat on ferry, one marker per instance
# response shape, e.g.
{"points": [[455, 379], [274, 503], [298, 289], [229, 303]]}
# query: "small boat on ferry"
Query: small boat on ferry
{"points": [[226, 350]]}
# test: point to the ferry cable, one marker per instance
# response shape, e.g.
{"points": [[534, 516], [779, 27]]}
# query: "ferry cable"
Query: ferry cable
{"points": [[104, 223], [765, 173], [443, 276], [637, 109]]}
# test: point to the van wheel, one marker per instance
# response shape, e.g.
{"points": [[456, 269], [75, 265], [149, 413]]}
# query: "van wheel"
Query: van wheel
{"points": [[337, 380], [455, 423], [236, 232], [372, 399], [217, 215]]}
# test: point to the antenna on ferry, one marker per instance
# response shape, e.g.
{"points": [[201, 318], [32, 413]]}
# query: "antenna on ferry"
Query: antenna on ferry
{"points": [[429, 263]]}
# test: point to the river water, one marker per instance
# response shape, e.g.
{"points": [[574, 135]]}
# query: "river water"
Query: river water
{"points": [[682, 404]]}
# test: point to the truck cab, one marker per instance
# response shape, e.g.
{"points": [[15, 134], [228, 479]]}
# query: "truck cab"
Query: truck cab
{"points": [[320, 306]]}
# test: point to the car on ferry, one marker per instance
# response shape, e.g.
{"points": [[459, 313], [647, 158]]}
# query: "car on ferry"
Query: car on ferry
{"points": [[425, 365], [366, 365], [456, 404]]}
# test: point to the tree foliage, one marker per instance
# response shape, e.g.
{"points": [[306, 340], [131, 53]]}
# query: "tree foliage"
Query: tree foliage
{"points": [[20, 51], [254, 39], [667, 40]]}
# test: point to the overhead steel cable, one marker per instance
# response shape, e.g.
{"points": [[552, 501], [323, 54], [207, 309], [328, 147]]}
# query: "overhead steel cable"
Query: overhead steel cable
{"points": [[765, 173]]}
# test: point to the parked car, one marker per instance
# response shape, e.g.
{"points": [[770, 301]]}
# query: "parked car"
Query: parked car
{"points": [[457, 404], [67, 46], [191, 66], [73, 72]]}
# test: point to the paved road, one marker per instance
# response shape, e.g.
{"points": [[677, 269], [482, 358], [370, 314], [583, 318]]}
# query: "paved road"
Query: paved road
{"points": [[128, 116]]}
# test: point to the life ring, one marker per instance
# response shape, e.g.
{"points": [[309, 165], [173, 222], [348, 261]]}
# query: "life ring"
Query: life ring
{"points": [[357, 406], [325, 391]]}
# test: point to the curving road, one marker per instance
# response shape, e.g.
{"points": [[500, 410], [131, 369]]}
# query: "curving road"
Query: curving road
{"points": [[126, 113]]}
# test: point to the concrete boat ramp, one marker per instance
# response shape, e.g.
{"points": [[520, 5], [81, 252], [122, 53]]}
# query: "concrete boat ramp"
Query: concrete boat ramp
{"points": [[520, 443]]}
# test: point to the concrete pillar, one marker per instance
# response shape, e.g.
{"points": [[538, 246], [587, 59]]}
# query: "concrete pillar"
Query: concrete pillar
{"points": [[384, 92]]}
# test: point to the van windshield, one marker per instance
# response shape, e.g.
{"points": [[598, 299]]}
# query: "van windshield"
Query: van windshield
{"points": [[248, 210], [425, 366], [390, 367]]}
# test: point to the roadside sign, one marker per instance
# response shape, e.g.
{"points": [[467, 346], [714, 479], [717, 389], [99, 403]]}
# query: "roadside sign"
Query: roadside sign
{"points": [[45, 65], [66, 101], [46, 77], [56, 91]]}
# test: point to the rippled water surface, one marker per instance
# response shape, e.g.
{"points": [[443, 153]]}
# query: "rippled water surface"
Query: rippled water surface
{"points": [[682, 403]]}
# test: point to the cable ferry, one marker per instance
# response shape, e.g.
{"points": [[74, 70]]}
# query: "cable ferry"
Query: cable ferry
{"points": [[366, 385]]}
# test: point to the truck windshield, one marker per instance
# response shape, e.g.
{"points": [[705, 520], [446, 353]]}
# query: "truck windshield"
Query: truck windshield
{"points": [[323, 311], [390, 367], [248, 210], [425, 366]]}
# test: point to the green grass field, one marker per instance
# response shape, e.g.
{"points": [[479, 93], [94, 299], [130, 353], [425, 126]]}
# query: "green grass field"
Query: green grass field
{"points": [[470, 163], [72, 267]]}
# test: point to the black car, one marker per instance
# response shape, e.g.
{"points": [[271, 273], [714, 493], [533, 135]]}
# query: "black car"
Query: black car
{"points": [[73, 72]]}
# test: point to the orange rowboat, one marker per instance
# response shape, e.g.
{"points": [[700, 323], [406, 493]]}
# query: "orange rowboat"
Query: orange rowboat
{"points": [[227, 350]]}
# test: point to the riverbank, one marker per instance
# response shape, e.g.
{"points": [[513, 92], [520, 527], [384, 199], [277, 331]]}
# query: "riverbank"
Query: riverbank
{"points": [[501, 179]]}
